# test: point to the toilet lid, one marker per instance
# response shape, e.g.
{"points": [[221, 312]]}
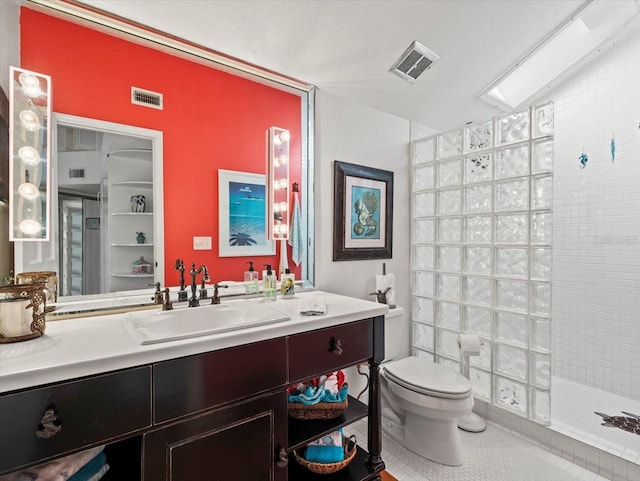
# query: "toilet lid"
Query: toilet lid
{"points": [[426, 377]]}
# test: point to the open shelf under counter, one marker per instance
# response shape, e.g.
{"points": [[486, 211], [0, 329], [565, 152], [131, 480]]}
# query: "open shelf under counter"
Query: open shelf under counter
{"points": [[356, 470], [302, 432]]}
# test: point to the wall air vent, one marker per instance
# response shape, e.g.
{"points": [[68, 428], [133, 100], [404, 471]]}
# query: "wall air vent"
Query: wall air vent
{"points": [[76, 173], [414, 62], [146, 98]]}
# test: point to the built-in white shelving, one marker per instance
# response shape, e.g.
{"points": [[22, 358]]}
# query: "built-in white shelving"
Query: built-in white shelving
{"points": [[130, 174]]}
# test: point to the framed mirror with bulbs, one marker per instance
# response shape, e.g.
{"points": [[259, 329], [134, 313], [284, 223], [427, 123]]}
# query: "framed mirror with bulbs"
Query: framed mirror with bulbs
{"points": [[226, 131]]}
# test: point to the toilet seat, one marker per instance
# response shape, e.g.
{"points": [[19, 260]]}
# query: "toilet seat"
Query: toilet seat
{"points": [[424, 376]]}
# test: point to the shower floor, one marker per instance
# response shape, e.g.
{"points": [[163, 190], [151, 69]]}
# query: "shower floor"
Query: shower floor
{"points": [[572, 414]]}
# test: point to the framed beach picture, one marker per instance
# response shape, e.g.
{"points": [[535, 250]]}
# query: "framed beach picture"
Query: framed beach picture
{"points": [[363, 212], [243, 215]]}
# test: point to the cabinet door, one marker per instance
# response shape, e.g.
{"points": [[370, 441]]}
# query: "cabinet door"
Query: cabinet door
{"points": [[241, 442]]}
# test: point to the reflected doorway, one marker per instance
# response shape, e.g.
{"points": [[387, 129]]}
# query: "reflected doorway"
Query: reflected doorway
{"points": [[95, 247]]}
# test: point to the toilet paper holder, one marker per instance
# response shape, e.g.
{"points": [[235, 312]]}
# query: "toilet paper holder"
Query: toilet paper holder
{"points": [[469, 345]]}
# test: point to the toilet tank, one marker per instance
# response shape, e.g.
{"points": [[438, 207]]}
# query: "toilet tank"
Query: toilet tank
{"points": [[397, 334]]}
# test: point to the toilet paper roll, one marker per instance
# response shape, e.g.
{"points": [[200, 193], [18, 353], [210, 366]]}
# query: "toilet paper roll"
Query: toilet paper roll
{"points": [[469, 344], [384, 282]]}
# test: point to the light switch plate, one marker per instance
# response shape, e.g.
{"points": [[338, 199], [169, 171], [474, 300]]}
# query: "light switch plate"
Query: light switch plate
{"points": [[201, 243]]}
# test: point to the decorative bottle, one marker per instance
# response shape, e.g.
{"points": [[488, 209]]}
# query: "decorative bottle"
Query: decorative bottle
{"points": [[287, 284]]}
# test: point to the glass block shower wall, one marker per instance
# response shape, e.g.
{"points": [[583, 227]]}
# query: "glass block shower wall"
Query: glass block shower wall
{"points": [[481, 260]]}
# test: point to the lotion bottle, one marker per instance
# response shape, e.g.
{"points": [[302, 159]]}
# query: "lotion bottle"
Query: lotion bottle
{"points": [[251, 280], [269, 286], [287, 284]]}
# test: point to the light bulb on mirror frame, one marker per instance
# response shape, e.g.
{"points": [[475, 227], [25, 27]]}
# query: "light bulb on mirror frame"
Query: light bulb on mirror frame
{"points": [[30, 84], [284, 136], [29, 155], [28, 190], [30, 120], [29, 216], [282, 183], [282, 160], [282, 207], [30, 227]]}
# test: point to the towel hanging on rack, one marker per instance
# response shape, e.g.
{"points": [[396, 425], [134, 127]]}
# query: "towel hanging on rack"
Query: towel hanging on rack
{"points": [[296, 241]]}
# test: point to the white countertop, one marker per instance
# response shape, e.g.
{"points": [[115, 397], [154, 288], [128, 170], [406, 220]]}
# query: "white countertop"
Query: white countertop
{"points": [[85, 346]]}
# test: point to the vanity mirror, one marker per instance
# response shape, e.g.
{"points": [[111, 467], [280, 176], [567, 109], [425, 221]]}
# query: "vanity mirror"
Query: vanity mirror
{"points": [[214, 117]]}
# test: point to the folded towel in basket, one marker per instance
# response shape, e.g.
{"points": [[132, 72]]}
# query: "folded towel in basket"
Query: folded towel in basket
{"points": [[312, 306], [310, 395], [89, 470], [327, 449], [339, 397]]}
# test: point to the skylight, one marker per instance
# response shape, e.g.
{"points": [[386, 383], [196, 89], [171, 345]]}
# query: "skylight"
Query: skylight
{"points": [[589, 28]]}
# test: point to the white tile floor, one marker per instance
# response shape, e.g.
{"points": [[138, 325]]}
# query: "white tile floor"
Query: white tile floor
{"points": [[493, 455]]}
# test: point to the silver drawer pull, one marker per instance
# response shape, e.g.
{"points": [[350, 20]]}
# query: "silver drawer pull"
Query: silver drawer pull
{"points": [[336, 346], [282, 459], [50, 425]]}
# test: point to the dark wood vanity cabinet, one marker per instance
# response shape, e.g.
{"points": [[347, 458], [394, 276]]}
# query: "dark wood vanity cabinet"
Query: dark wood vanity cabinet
{"points": [[220, 415], [237, 442]]}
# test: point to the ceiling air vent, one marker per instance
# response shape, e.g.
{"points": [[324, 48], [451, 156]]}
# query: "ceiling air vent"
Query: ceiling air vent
{"points": [[146, 98], [414, 62], [76, 173]]}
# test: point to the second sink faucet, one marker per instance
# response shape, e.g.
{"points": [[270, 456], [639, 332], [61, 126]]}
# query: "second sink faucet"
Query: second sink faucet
{"points": [[194, 301]]}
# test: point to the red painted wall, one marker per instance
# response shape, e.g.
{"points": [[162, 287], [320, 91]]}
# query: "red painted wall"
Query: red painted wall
{"points": [[211, 120]]}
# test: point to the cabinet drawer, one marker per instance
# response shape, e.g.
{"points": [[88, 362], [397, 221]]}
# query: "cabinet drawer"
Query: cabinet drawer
{"points": [[317, 352], [90, 411], [196, 383]]}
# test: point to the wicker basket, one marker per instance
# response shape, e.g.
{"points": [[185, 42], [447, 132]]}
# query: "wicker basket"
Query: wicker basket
{"points": [[328, 468], [317, 411]]}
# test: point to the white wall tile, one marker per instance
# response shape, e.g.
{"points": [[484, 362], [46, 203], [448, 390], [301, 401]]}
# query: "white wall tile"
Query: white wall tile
{"points": [[596, 238]]}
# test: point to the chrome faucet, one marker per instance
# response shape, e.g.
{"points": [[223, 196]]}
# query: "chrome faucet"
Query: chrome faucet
{"points": [[194, 301]]}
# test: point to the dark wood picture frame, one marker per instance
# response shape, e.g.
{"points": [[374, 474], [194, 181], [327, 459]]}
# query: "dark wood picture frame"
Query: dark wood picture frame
{"points": [[363, 207]]}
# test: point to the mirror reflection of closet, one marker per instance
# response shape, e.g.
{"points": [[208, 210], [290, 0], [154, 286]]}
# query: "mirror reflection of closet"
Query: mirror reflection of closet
{"points": [[103, 197]]}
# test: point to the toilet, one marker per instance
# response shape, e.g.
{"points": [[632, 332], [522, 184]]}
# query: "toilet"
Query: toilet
{"points": [[421, 402]]}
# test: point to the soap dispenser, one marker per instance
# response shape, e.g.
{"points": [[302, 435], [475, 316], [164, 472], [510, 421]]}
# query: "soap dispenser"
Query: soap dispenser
{"points": [[251, 280], [269, 286]]}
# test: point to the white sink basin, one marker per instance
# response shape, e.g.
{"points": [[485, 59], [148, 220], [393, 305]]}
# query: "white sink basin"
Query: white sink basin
{"points": [[184, 322]]}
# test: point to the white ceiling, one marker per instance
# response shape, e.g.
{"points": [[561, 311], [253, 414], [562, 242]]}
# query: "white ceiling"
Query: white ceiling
{"points": [[347, 47]]}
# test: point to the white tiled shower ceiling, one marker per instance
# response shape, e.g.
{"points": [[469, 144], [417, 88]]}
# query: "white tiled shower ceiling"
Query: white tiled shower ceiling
{"points": [[481, 261]]}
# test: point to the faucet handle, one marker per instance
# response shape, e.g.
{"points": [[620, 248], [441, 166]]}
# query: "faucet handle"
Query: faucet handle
{"points": [[216, 298], [157, 295], [167, 305]]}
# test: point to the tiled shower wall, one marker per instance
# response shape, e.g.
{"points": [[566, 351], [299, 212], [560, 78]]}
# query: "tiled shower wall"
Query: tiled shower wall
{"points": [[596, 265], [481, 260]]}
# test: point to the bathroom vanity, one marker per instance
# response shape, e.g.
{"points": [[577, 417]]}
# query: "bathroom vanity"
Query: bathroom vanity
{"points": [[181, 409]]}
